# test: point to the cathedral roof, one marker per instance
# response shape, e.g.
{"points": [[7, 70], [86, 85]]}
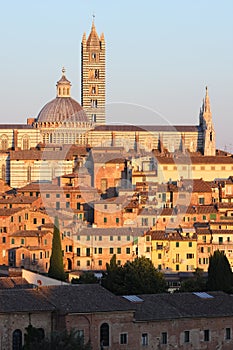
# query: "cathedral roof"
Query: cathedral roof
{"points": [[63, 108]]}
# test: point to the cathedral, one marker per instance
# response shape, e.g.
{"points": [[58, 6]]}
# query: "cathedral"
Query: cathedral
{"points": [[54, 142]]}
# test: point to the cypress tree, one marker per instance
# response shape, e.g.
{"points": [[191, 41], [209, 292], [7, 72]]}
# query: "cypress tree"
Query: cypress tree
{"points": [[56, 268], [220, 276]]}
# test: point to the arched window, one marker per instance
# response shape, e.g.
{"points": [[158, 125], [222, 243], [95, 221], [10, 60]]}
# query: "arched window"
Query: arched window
{"points": [[25, 143], [17, 340], [4, 143], [3, 172], [29, 173], [211, 136], [104, 334]]}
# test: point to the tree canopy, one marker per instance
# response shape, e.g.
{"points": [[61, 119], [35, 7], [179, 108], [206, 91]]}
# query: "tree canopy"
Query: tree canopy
{"points": [[197, 283], [56, 268], [35, 340], [87, 277], [220, 276], [136, 277]]}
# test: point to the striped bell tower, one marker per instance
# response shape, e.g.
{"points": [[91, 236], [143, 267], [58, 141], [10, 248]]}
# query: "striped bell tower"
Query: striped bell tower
{"points": [[93, 76]]}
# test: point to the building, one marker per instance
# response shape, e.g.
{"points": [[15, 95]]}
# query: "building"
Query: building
{"points": [[156, 321]]}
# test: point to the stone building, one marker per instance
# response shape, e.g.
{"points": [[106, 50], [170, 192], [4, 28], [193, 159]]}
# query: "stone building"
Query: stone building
{"points": [[157, 321]]}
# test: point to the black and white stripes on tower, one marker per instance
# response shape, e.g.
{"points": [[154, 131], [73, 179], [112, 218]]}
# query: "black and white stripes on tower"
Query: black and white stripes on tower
{"points": [[93, 76]]}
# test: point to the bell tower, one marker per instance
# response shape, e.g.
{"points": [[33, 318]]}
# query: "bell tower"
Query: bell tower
{"points": [[93, 76], [206, 124]]}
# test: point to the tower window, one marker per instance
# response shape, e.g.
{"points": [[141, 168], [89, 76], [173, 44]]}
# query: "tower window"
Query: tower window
{"points": [[211, 136], [94, 103], [93, 117], [97, 73]]}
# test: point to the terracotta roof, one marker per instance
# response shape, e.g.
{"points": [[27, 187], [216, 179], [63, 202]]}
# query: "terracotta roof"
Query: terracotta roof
{"points": [[18, 200], [13, 282], [127, 231], [16, 126], [29, 233], [195, 160], [149, 128], [10, 211]]}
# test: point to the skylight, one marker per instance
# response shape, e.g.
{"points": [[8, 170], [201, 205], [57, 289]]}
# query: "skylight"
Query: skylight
{"points": [[203, 295]]}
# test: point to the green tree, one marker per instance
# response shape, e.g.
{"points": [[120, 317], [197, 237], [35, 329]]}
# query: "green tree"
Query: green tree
{"points": [[56, 268], [220, 276], [136, 277], [197, 283], [86, 278], [57, 340]]}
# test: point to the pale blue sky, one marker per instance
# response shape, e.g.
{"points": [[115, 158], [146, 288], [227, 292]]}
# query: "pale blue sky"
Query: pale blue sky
{"points": [[164, 51]]}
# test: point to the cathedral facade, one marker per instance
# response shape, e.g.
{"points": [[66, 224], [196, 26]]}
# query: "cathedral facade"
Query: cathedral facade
{"points": [[63, 121]]}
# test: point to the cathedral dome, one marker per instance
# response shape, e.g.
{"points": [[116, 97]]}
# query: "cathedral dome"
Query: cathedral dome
{"points": [[63, 108]]}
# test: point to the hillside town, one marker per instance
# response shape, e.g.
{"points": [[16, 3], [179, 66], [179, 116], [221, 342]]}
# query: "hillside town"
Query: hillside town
{"points": [[162, 192]]}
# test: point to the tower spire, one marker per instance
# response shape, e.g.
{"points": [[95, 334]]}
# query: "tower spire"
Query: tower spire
{"points": [[207, 102]]}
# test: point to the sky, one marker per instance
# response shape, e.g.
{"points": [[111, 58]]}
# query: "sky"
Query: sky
{"points": [[160, 56]]}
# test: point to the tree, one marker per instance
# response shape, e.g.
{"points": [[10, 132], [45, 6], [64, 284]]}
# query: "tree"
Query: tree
{"points": [[56, 268], [197, 283], [136, 277], [86, 278], [57, 340], [220, 276]]}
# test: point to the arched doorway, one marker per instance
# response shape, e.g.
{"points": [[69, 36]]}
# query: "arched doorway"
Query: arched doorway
{"points": [[69, 264], [17, 340], [104, 334]]}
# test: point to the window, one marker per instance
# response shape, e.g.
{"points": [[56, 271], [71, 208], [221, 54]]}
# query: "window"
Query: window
{"points": [[57, 195], [78, 251], [119, 238], [88, 238], [111, 238], [128, 238], [100, 238], [111, 250], [100, 262], [164, 338], [159, 256], [206, 335], [67, 195], [104, 334], [47, 195], [12, 241], [204, 217], [88, 252], [201, 200], [3, 239], [186, 336], [17, 340], [177, 267], [35, 221], [57, 205], [78, 206], [123, 338], [100, 250], [189, 256], [177, 244], [117, 220], [190, 244], [127, 250], [228, 334], [105, 220], [93, 118], [43, 221], [88, 263], [204, 239], [118, 250], [220, 240], [144, 339], [22, 240], [67, 204]]}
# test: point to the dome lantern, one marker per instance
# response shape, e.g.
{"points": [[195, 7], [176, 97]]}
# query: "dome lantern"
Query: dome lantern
{"points": [[63, 86]]}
